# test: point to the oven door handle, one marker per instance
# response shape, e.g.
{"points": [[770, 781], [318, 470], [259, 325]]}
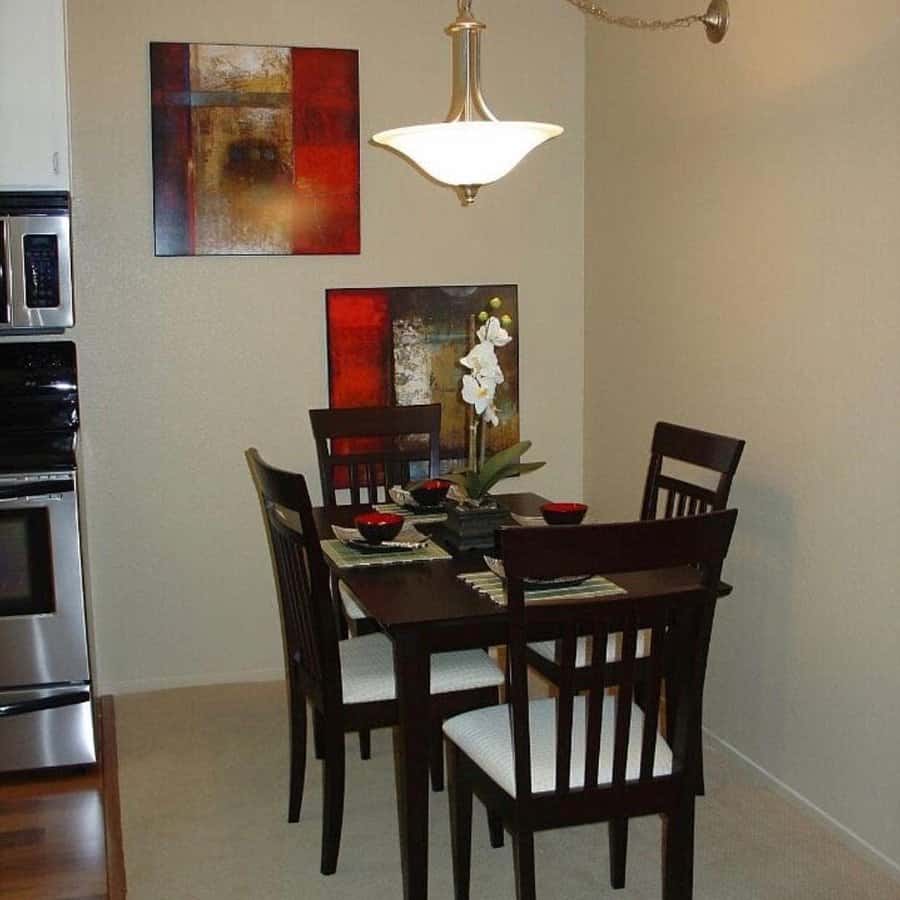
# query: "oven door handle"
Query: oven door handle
{"points": [[36, 490], [71, 698]]}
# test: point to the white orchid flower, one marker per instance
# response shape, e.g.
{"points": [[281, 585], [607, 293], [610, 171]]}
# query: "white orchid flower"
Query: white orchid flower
{"points": [[482, 360], [493, 333], [479, 394], [490, 414]]}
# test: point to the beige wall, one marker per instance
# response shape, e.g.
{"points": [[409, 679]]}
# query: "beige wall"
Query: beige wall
{"points": [[743, 275], [186, 362]]}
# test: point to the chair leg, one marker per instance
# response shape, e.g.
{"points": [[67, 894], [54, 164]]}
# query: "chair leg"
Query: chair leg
{"points": [[678, 852], [459, 796], [436, 756], [298, 756], [365, 743], [701, 784], [523, 858], [618, 851], [495, 826], [318, 734], [332, 801]]}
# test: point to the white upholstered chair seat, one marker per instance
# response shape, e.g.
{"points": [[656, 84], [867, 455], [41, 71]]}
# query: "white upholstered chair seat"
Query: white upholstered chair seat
{"points": [[351, 604], [547, 649], [485, 736], [367, 666]]}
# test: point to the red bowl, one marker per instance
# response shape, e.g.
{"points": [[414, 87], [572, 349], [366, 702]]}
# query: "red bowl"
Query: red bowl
{"points": [[376, 527], [563, 513], [431, 492]]}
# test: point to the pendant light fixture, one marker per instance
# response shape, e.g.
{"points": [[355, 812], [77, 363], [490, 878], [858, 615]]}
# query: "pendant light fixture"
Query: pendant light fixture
{"points": [[471, 148]]}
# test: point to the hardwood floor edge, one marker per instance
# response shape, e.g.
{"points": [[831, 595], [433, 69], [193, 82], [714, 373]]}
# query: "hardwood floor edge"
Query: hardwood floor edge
{"points": [[116, 887]]}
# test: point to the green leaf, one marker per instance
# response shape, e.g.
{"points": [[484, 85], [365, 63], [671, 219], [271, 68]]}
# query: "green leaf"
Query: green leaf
{"points": [[504, 458], [509, 471]]}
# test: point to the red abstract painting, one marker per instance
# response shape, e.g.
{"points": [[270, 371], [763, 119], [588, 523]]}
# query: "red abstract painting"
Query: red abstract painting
{"points": [[255, 149], [402, 345]]}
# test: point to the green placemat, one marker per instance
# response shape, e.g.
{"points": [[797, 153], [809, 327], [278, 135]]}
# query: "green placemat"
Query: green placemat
{"points": [[410, 515], [492, 585], [345, 557]]}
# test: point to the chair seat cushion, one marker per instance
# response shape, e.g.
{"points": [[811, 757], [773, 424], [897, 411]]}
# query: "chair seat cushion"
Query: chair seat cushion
{"points": [[351, 604], [547, 649], [367, 664], [485, 736]]}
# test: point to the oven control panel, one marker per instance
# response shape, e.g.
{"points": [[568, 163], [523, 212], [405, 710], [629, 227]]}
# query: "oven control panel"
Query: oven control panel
{"points": [[41, 258]]}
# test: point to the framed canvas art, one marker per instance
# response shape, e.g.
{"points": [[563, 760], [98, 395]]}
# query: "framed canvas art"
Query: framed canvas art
{"points": [[255, 149], [403, 345]]}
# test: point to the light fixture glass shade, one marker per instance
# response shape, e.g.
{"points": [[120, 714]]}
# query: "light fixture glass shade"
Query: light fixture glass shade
{"points": [[468, 153]]}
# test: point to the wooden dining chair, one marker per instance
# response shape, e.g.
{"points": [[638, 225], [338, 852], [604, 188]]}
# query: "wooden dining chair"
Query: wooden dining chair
{"points": [[578, 759], [349, 684], [364, 451], [666, 496]]}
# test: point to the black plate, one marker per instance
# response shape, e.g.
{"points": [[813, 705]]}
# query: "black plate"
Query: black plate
{"points": [[565, 581], [366, 547]]}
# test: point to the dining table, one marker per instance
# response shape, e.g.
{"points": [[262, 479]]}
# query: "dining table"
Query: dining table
{"points": [[425, 608]]}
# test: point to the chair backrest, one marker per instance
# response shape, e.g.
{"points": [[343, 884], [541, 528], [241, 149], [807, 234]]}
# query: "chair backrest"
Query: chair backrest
{"points": [[309, 626], [679, 624], [715, 452], [374, 445]]}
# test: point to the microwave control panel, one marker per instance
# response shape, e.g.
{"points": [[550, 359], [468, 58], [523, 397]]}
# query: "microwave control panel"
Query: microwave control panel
{"points": [[41, 258]]}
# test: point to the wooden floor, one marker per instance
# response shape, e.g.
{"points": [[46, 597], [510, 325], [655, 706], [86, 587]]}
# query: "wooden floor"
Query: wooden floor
{"points": [[60, 833]]}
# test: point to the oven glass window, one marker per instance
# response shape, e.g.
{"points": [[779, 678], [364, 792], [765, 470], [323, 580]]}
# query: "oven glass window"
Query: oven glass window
{"points": [[26, 568]]}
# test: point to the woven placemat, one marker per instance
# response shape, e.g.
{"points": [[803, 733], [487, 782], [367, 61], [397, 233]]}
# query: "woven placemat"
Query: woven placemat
{"points": [[411, 515], [345, 557], [492, 585]]}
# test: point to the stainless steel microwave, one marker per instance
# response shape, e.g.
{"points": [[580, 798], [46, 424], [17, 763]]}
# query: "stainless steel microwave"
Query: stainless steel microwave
{"points": [[35, 262]]}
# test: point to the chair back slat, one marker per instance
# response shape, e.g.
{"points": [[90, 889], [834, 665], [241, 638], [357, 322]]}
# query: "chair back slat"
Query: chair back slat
{"points": [[652, 686], [678, 623], [624, 696], [367, 449], [715, 452], [594, 731], [565, 702], [309, 627]]}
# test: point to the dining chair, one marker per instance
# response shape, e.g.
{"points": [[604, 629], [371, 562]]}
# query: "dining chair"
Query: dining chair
{"points": [[665, 496], [365, 450], [348, 683], [579, 759]]}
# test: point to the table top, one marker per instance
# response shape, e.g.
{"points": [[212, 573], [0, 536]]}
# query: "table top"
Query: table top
{"points": [[414, 594]]}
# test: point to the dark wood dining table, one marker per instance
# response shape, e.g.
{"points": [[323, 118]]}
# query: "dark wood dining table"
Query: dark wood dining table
{"points": [[425, 608]]}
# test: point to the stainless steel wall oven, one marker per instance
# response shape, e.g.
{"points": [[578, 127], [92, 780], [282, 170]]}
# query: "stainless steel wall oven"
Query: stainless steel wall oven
{"points": [[45, 688]]}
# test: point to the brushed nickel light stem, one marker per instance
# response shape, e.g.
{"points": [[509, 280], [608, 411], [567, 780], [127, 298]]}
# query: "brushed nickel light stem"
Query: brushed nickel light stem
{"points": [[467, 102]]}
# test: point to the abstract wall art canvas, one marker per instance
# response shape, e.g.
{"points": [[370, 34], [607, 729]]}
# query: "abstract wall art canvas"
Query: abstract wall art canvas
{"points": [[402, 345], [255, 149]]}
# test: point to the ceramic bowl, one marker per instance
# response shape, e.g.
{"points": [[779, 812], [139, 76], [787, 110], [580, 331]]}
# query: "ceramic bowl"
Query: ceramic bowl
{"points": [[376, 527], [563, 513], [432, 492]]}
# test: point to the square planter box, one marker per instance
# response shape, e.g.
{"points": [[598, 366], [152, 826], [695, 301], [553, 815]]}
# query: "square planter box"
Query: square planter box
{"points": [[472, 528]]}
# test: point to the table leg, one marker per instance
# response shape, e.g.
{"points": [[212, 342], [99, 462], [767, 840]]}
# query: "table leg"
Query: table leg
{"points": [[412, 667]]}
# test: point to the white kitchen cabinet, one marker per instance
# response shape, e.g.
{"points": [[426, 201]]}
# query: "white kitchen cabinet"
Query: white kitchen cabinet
{"points": [[34, 119]]}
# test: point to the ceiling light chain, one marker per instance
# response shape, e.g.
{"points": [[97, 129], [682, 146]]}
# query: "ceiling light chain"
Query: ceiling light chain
{"points": [[715, 19]]}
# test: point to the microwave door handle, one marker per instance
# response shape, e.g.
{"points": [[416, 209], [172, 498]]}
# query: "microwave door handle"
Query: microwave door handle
{"points": [[70, 698], [5, 312], [46, 490]]}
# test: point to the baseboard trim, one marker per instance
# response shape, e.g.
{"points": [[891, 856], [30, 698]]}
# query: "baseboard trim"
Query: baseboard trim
{"points": [[877, 856], [142, 685]]}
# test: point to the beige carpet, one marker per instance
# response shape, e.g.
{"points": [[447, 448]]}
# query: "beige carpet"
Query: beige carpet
{"points": [[203, 778]]}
